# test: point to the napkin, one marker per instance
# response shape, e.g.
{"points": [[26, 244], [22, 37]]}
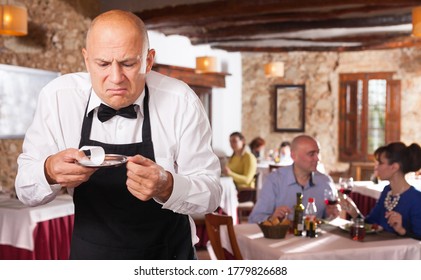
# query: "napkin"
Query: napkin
{"points": [[96, 153], [337, 222]]}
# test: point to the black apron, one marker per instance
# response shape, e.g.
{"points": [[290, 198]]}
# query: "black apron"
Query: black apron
{"points": [[110, 223]]}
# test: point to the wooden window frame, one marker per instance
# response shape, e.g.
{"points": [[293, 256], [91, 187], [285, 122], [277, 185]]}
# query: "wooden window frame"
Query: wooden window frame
{"points": [[352, 129]]}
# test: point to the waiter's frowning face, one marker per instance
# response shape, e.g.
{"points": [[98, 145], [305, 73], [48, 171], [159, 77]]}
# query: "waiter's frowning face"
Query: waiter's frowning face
{"points": [[118, 59]]}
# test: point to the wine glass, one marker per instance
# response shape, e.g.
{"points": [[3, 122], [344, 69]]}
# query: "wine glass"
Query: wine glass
{"points": [[346, 185], [350, 184], [331, 197]]}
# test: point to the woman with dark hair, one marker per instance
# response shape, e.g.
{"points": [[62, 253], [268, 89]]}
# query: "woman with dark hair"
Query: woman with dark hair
{"points": [[257, 146], [242, 164], [399, 206]]}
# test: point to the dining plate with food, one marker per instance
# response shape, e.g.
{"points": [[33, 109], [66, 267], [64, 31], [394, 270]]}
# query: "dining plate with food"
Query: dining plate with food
{"points": [[369, 228]]}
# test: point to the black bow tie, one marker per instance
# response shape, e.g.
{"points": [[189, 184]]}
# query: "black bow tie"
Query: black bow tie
{"points": [[105, 113]]}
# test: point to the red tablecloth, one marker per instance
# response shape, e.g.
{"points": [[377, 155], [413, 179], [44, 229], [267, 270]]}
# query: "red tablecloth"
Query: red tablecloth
{"points": [[52, 242], [364, 203]]}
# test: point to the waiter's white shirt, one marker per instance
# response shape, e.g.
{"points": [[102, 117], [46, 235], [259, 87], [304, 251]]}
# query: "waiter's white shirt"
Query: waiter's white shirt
{"points": [[180, 129]]}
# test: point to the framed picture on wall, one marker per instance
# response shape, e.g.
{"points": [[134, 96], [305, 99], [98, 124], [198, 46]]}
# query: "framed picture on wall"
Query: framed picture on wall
{"points": [[19, 90], [289, 108]]}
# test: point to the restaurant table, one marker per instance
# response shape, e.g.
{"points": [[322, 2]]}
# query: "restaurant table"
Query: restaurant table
{"points": [[332, 243], [41, 232]]}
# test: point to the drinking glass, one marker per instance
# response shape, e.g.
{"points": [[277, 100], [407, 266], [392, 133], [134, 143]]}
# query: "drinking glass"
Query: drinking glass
{"points": [[331, 197], [342, 183], [350, 183], [346, 185], [357, 229]]}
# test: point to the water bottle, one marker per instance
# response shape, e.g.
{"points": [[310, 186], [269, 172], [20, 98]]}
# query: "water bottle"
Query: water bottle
{"points": [[310, 218]]}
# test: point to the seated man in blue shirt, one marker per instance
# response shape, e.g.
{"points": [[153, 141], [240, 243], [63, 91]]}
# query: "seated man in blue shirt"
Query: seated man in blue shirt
{"points": [[278, 195]]}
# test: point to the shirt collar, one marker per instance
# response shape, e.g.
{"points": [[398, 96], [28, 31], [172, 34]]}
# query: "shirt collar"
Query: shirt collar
{"points": [[95, 101], [291, 179]]}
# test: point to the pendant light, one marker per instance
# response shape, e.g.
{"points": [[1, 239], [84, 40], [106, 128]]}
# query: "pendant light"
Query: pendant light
{"points": [[13, 19], [416, 21], [206, 64], [274, 69]]}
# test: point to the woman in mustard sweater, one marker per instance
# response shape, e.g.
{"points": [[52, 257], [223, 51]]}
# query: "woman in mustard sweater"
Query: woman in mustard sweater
{"points": [[242, 164]]}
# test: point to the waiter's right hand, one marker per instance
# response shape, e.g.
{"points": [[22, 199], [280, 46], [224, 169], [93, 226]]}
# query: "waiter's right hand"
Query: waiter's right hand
{"points": [[61, 169]]}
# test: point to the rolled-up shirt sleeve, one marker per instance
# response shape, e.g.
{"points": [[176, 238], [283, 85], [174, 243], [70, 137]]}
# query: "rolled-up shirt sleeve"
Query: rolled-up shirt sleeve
{"points": [[56, 126], [31, 184]]}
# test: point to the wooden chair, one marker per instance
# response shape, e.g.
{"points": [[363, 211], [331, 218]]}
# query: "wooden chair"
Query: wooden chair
{"points": [[213, 225], [246, 200], [335, 175], [361, 171], [244, 207], [199, 221]]}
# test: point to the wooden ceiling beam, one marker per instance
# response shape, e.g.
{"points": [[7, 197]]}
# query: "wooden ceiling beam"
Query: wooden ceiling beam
{"points": [[366, 37], [378, 46], [237, 32], [226, 24], [241, 18], [253, 7]]}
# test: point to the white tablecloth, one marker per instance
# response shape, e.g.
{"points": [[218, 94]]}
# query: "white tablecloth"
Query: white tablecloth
{"points": [[327, 246], [17, 221], [229, 201], [368, 188]]}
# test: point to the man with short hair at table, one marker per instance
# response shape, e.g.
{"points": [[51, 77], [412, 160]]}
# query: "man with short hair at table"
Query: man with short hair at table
{"points": [[279, 192], [141, 209]]}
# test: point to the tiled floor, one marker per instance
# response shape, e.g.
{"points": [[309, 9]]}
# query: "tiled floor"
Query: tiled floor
{"points": [[202, 254]]}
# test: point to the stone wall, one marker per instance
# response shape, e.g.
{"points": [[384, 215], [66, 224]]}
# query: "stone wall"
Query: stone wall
{"points": [[319, 72], [56, 32]]}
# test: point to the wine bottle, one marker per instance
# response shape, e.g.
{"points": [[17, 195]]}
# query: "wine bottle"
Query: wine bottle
{"points": [[298, 215]]}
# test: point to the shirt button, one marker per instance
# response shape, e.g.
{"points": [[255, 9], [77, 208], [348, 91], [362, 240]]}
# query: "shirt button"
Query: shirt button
{"points": [[120, 127]]}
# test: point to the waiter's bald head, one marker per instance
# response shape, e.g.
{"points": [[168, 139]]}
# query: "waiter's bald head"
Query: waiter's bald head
{"points": [[117, 57], [126, 21]]}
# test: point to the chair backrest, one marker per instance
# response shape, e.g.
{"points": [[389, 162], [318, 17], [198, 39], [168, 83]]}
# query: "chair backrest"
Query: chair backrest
{"points": [[361, 171], [213, 226], [248, 194], [273, 167]]}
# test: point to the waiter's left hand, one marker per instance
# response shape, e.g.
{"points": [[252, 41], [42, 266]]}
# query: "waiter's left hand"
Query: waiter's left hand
{"points": [[146, 179]]}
